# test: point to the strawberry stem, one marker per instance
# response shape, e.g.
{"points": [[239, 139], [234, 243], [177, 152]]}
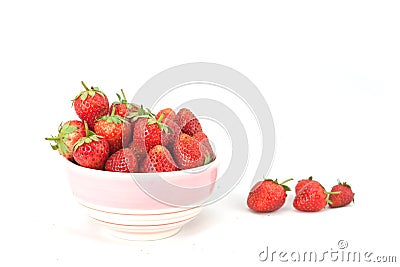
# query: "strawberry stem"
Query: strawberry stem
{"points": [[328, 201], [52, 138], [86, 128], [161, 117], [123, 94], [84, 85], [331, 193], [113, 111], [287, 180]]}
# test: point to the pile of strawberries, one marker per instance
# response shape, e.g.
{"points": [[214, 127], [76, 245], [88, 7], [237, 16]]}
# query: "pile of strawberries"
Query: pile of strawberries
{"points": [[126, 137], [269, 195]]}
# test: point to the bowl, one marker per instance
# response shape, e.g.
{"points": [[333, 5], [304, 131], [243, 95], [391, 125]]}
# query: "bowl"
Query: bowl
{"points": [[142, 206]]}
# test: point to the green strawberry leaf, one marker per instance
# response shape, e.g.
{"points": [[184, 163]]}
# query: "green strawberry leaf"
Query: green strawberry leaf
{"points": [[140, 113], [287, 188], [103, 118], [135, 118], [122, 99], [70, 129], [344, 183], [114, 119], [269, 179], [80, 142], [63, 148], [151, 120], [207, 159], [54, 147], [123, 120], [84, 95], [149, 112], [97, 90], [119, 98], [165, 128], [67, 129], [54, 139]]}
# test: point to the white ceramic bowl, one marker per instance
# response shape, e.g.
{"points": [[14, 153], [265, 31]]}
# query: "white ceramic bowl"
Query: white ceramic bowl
{"points": [[142, 206]]}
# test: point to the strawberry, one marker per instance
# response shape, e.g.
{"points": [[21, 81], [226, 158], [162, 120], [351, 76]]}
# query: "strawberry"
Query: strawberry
{"points": [[124, 160], [122, 107], [345, 196], [125, 109], [168, 113], [312, 197], [90, 105], [145, 136], [188, 123], [147, 131], [203, 139], [267, 195], [159, 159], [68, 134], [189, 153], [91, 151], [300, 184], [115, 129]]}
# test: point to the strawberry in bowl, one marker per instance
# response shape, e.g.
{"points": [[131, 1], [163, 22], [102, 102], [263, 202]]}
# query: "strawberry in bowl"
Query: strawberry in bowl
{"points": [[143, 176]]}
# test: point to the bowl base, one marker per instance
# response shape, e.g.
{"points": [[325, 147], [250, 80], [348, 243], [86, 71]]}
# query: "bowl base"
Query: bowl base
{"points": [[141, 224], [138, 236]]}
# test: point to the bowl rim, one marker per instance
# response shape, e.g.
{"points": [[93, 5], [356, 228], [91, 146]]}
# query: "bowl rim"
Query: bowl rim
{"points": [[123, 175]]}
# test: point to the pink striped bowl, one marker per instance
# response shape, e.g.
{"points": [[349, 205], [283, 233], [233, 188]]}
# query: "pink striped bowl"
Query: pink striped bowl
{"points": [[142, 206]]}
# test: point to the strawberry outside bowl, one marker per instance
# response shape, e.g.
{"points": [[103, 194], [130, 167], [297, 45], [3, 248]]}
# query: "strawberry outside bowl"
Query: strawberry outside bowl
{"points": [[142, 206]]}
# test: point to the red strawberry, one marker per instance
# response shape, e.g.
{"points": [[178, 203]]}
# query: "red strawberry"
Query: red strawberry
{"points": [[122, 107], [159, 159], [267, 195], [189, 153], [91, 104], [115, 129], [312, 197], [300, 184], [145, 136], [188, 123], [91, 151], [147, 131], [345, 196], [124, 160], [68, 134], [203, 139], [168, 113]]}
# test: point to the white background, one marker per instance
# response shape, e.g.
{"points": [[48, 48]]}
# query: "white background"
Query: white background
{"points": [[329, 71]]}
